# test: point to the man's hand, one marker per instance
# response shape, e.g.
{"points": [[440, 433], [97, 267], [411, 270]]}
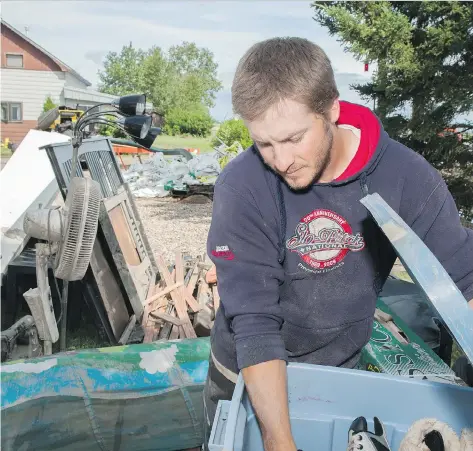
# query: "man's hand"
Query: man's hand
{"points": [[266, 384], [471, 303]]}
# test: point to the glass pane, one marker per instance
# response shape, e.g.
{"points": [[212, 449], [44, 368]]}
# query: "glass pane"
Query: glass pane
{"points": [[15, 112], [4, 112], [14, 60]]}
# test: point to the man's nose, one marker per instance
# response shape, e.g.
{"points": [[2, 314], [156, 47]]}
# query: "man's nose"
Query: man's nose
{"points": [[282, 159]]}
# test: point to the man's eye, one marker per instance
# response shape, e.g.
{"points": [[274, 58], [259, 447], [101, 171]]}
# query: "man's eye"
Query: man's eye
{"points": [[297, 140]]}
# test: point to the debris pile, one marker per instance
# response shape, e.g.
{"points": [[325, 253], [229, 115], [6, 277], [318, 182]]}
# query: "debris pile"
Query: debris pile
{"points": [[184, 302], [157, 177]]}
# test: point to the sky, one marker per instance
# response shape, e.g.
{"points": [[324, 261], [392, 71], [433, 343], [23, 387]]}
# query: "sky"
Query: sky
{"points": [[81, 33]]}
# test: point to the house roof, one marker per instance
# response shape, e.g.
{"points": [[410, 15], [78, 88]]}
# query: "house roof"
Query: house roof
{"points": [[64, 66]]}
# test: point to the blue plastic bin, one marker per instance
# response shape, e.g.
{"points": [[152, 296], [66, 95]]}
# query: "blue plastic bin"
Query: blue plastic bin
{"points": [[323, 401]]}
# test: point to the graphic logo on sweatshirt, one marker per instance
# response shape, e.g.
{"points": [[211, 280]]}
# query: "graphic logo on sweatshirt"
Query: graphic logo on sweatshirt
{"points": [[323, 239], [223, 252]]}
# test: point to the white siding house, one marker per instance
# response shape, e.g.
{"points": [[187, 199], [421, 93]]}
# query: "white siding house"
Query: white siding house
{"points": [[29, 74], [31, 88]]}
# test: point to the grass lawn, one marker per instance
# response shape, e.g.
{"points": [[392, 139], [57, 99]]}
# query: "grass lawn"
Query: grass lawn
{"points": [[183, 142], [5, 151]]}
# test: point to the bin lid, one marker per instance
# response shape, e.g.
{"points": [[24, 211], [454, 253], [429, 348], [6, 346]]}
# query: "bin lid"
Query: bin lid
{"points": [[426, 271]]}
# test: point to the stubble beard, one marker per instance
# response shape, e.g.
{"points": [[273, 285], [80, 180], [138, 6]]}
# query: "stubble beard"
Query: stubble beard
{"points": [[325, 153]]}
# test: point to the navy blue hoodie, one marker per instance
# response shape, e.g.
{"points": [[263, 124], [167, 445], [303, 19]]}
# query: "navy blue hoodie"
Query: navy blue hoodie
{"points": [[299, 273]]}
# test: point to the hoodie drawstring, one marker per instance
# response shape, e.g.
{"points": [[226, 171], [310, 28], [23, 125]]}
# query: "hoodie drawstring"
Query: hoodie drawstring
{"points": [[364, 183], [282, 221]]}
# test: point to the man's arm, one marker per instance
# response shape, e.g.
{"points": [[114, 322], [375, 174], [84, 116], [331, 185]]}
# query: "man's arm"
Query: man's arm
{"points": [[249, 298], [266, 384], [429, 209]]}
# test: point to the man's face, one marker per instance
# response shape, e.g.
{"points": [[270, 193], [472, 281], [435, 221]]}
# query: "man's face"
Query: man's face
{"points": [[294, 142]]}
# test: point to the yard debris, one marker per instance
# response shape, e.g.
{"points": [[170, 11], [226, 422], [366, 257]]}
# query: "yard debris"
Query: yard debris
{"points": [[158, 177], [182, 304]]}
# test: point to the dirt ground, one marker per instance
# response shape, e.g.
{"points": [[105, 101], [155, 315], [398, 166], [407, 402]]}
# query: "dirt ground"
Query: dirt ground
{"points": [[172, 224]]}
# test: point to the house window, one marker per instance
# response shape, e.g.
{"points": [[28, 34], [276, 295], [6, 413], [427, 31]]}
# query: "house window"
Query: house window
{"points": [[4, 112], [12, 112], [14, 60]]}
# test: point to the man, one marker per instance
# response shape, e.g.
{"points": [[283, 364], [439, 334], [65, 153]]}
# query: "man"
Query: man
{"points": [[299, 260]]}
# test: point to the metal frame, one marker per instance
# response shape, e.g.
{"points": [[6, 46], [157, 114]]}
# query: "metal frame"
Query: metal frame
{"points": [[102, 165]]}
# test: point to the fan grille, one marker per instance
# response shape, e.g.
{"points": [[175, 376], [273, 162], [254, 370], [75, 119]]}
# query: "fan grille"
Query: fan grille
{"points": [[82, 210]]}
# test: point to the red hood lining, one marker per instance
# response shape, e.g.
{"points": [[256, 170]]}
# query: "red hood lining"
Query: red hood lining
{"points": [[362, 118]]}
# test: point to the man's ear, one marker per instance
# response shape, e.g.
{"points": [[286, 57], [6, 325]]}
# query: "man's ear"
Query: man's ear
{"points": [[334, 111]]}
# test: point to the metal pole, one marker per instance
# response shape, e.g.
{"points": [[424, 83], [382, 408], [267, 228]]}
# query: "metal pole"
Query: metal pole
{"points": [[62, 337]]}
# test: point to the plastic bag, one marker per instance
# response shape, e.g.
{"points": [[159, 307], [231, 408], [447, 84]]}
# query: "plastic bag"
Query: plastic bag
{"points": [[205, 164], [178, 170]]}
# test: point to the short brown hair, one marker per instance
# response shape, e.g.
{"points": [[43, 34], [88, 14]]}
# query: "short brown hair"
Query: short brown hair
{"points": [[283, 68]]}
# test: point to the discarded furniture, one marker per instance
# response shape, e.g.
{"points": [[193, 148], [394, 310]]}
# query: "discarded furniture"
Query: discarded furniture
{"points": [[122, 265]]}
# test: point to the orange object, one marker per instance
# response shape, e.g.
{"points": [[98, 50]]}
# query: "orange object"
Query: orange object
{"points": [[122, 148], [193, 151]]}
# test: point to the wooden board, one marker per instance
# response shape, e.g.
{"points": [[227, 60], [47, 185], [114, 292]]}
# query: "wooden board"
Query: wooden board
{"points": [[191, 301], [124, 236], [166, 317], [161, 293], [128, 330], [113, 300], [193, 304], [150, 327], [179, 301]]}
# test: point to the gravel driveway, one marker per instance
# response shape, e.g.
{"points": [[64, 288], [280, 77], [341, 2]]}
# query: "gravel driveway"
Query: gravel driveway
{"points": [[172, 224]]}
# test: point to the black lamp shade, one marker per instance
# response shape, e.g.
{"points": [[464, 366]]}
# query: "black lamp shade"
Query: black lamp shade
{"points": [[137, 126], [131, 105], [150, 137]]}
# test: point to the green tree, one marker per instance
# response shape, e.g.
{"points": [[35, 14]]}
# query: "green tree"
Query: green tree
{"points": [[195, 121], [160, 81], [233, 130], [123, 72], [48, 104], [423, 82], [186, 77], [198, 72]]}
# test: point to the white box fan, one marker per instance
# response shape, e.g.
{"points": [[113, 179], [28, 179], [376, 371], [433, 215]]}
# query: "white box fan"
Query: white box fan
{"points": [[70, 234]]}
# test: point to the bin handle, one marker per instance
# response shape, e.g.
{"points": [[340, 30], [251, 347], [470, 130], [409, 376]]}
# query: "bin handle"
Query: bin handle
{"points": [[234, 414]]}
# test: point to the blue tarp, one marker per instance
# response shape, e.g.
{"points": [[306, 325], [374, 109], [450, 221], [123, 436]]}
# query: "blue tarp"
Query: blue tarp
{"points": [[137, 397]]}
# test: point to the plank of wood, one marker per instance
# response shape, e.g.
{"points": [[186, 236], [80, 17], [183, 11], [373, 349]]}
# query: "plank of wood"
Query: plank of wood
{"points": [[128, 330], [162, 293], [179, 301], [109, 289], [166, 317], [124, 236], [160, 304], [216, 298], [150, 327], [194, 278], [174, 335], [167, 328], [191, 301]]}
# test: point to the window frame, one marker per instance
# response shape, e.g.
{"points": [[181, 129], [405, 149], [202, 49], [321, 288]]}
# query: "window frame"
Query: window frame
{"points": [[9, 105], [7, 54]]}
